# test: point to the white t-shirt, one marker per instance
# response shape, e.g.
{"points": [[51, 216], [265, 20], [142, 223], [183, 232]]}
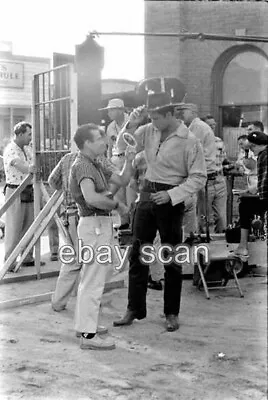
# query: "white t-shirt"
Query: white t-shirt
{"points": [[11, 152]]}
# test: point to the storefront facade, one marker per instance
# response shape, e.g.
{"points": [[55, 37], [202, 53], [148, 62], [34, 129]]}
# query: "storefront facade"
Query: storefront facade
{"points": [[16, 75]]}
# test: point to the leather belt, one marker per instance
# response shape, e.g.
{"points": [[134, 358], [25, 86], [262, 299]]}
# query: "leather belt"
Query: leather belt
{"points": [[153, 187], [104, 214], [120, 155], [11, 186], [212, 176]]}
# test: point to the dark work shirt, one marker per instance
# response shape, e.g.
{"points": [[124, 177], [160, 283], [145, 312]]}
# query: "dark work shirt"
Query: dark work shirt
{"points": [[262, 174], [85, 168]]}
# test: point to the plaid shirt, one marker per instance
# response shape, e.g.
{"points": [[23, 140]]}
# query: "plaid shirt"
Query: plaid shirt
{"points": [[263, 175], [59, 178], [220, 154], [96, 170]]}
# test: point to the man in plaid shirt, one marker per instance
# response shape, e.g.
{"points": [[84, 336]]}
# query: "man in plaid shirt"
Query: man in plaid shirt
{"points": [[254, 205], [69, 273]]}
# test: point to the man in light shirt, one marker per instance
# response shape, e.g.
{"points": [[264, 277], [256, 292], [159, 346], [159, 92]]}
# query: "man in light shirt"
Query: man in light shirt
{"points": [[217, 190], [175, 170], [205, 134], [118, 116], [18, 163]]}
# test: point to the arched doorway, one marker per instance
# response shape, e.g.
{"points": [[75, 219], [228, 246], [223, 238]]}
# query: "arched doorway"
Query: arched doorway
{"points": [[240, 92]]}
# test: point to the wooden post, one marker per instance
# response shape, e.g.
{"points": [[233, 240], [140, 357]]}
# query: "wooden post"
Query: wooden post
{"points": [[40, 229], [28, 235], [15, 194], [230, 185], [62, 229], [36, 162], [73, 106]]}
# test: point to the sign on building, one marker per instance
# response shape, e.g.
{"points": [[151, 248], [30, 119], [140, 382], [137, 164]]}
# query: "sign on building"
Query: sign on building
{"points": [[11, 74]]}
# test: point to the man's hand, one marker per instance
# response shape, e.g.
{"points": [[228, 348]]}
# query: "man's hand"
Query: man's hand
{"points": [[160, 197], [32, 169], [249, 163], [137, 116], [122, 209], [130, 153]]}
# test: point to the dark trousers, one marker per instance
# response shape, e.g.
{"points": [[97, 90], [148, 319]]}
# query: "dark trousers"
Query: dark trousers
{"points": [[248, 207], [149, 218]]}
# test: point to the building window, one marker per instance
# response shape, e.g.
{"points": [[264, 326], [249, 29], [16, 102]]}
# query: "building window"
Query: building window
{"points": [[245, 90], [245, 79]]}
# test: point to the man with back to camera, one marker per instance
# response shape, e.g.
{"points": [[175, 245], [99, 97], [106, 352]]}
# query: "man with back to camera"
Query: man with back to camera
{"points": [[89, 188], [175, 170], [216, 185], [218, 197]]}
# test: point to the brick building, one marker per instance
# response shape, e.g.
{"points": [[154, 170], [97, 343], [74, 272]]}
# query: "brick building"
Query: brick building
{"points": [[226, 78]]}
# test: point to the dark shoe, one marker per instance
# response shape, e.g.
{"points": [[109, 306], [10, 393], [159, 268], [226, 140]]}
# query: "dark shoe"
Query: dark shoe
{"points": [[54, 257], [155, 285], [31, 263], [172, 323], [123, 227], [58, 309], [127, 319]]}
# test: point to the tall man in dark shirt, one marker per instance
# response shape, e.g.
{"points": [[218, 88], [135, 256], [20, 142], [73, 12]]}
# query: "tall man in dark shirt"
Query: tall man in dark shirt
{"points": [[89, 188], [257, 204]]}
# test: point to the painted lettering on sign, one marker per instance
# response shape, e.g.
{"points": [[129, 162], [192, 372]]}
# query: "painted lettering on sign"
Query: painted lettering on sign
{"points": [[11, 74]]}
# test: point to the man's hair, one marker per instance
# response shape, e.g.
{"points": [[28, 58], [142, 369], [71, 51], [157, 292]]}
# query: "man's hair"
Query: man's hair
{"points": [[208, 117], [84, 133], [21, 127], [163, 111], [243, 137], [258, 124]]}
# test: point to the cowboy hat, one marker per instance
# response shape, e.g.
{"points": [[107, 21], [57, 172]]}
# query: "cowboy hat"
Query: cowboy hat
{"points": [[157, 101], [187, 106], [114, 103]]}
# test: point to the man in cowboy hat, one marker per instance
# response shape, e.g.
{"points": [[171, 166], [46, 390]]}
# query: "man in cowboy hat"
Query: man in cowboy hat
{"points": [[118, 116], [116, 113], [175, 170]]}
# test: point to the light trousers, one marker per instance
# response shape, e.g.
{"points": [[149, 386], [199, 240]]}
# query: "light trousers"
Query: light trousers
{"points": [[69, 273], [19, 217], [217, 204], [94, 232]]}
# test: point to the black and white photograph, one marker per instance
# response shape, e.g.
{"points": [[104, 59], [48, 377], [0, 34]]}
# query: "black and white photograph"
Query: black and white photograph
{"points": [[133, 199]]}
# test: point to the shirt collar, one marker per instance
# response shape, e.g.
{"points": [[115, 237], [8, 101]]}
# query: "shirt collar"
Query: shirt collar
{"points": [[182, 131], [196, 119]]}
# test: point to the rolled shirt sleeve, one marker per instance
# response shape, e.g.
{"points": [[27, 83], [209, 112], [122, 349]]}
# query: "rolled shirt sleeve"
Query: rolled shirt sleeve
{"points": [[197, 175]]}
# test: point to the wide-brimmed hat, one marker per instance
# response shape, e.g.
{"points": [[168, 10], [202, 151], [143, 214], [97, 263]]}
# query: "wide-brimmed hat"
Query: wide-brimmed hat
{"points": [[114, 103], [157, 101], [187, 106], [258, 138]]}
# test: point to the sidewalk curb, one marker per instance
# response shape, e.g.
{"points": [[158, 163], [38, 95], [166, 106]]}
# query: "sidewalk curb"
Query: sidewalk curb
{"points": [[40, 298]]}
